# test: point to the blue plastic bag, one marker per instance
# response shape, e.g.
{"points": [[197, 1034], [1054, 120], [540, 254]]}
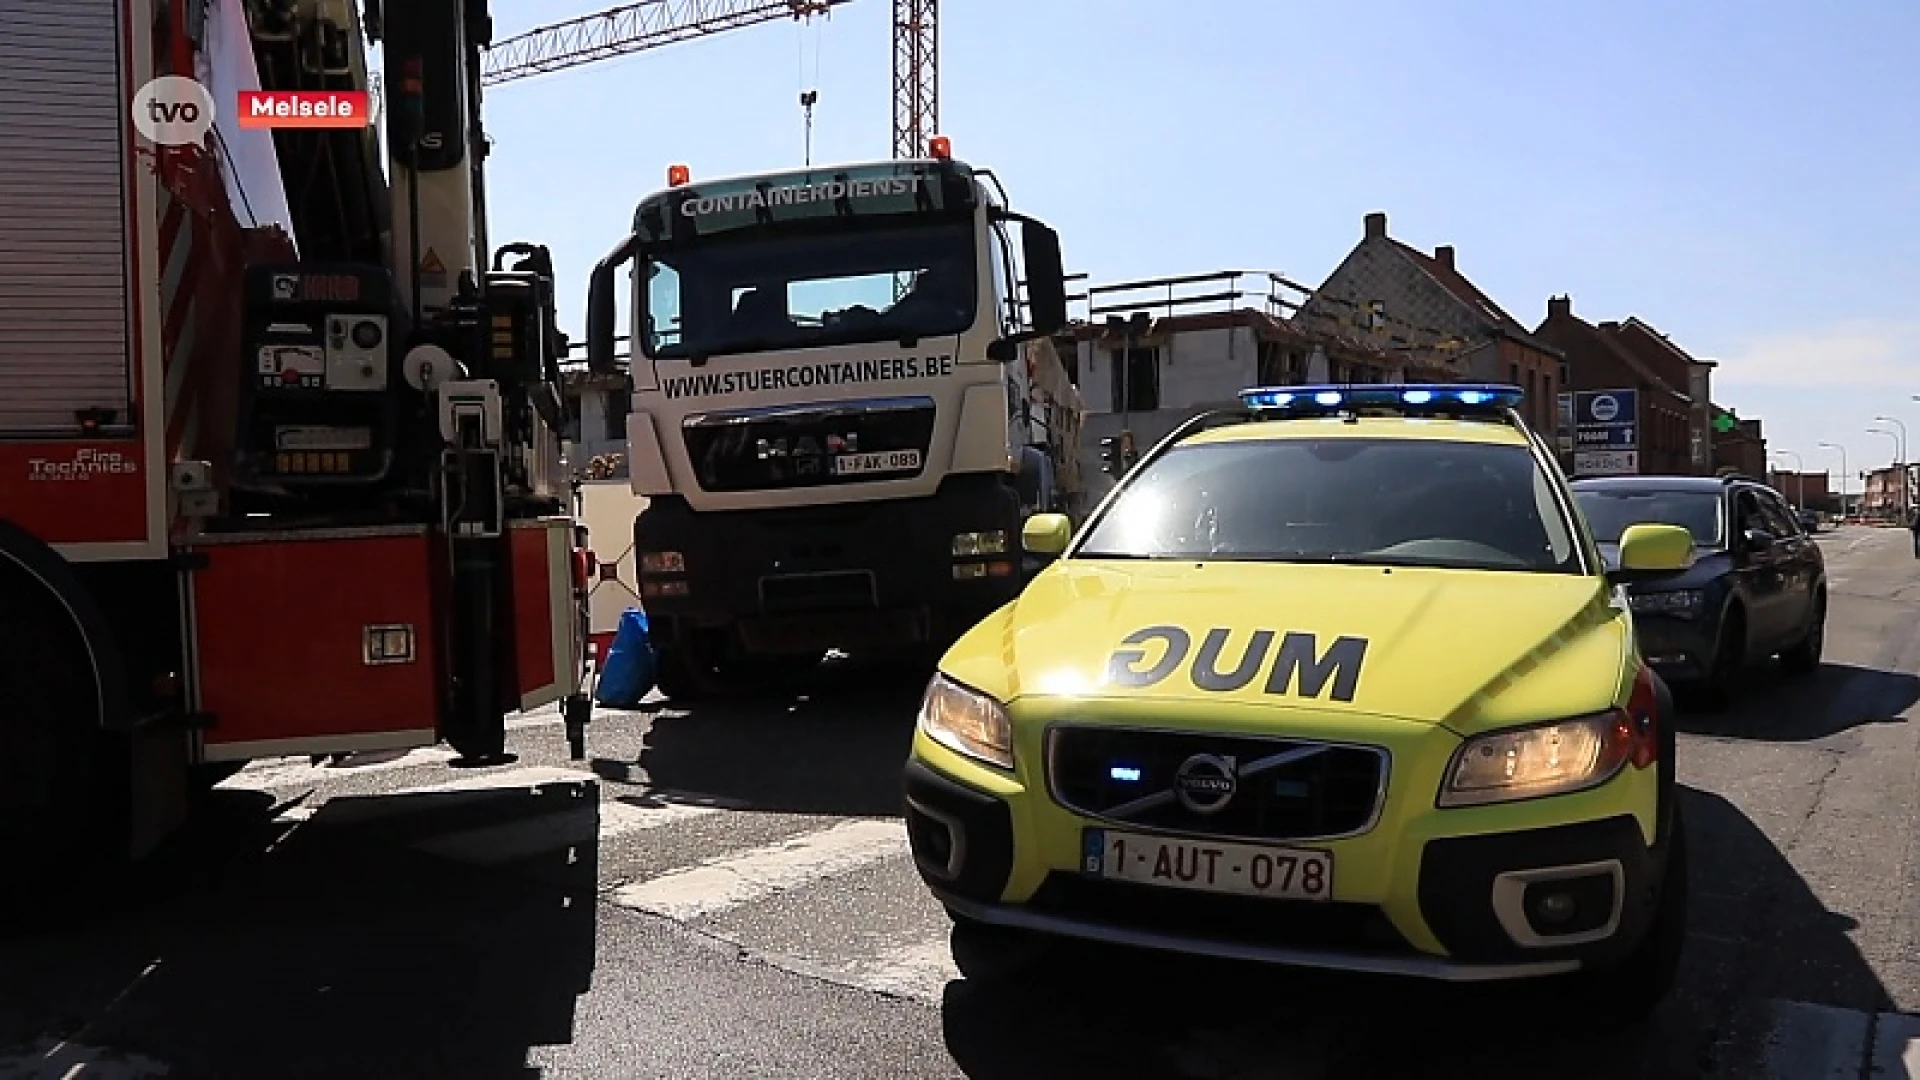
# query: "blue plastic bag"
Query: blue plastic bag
{"points": [[630, 668]]}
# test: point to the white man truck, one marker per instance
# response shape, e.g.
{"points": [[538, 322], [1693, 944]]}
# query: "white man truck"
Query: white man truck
{"points": [[835, 375]]}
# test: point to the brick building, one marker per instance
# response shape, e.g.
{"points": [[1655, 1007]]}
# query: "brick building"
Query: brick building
{"points": [[1632, 356], [1742, 450], [1680, 370], [1810, 490], [1387, 288]]}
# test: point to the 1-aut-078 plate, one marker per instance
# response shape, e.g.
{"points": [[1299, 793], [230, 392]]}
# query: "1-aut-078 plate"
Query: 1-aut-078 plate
{"points": [[1207, 866]]}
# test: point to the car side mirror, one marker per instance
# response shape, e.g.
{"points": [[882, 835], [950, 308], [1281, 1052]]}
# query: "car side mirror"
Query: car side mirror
{"points": [[1757, 539], [1650, 550], [1046, 534]]}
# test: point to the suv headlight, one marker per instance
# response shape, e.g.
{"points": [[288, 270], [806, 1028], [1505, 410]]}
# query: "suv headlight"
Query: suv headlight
{"points": [[1685, 603], [967, 722], [1546, 759]]}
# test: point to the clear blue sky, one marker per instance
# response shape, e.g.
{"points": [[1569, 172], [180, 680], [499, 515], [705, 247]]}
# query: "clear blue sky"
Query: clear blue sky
{"points": [[1743, 174]]}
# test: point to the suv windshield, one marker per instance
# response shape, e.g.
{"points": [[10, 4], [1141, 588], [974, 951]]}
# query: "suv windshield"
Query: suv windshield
{"points": [[1609, 512], [752, 291], [1404, 502]]}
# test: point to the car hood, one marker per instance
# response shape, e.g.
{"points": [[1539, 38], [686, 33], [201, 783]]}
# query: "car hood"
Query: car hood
{"points": [[1464, 648]]}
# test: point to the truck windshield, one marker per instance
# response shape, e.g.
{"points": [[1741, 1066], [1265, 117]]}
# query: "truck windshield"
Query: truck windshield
{"points": [[1384, 502], [754, 291], [1609, 512]]}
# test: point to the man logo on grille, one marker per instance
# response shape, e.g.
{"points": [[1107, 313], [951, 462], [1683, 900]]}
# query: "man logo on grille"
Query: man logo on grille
{"points": [[1205, 783]]}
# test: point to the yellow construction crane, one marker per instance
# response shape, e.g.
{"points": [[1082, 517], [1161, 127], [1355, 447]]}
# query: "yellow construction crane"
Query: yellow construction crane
{"points": [[650, 24]]}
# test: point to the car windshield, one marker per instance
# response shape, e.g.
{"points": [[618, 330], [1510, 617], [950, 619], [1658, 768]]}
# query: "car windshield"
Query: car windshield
{"points": [[757, 290], [1401, 502], [1609, 512]]}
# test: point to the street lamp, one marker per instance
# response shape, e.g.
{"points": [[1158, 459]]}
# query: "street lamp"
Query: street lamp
{"points": [[1901, 465], [1799, 478], [1843, 473]]}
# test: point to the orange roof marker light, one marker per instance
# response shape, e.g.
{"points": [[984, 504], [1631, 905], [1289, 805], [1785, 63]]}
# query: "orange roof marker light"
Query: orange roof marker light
{"points": [[678, 175], [941, 147]]}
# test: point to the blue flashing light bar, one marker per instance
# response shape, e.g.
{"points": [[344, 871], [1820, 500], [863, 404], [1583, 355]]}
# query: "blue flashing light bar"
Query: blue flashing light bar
{"points": [[1414, 398]]}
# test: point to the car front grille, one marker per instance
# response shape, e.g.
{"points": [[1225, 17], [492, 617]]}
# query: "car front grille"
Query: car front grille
{"points": [[1281, 789]]}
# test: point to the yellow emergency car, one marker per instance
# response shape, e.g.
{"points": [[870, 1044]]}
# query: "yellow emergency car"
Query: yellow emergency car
{"points": [[1337, 679]]}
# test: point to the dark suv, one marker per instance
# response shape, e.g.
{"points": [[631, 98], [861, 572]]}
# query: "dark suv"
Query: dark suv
{"points": [[1757, 588]]}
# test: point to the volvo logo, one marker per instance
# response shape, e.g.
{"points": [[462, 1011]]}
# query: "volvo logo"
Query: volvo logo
{"points": [[1205, 783]]}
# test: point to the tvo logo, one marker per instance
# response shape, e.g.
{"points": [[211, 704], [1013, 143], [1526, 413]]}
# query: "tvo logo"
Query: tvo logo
{"points": [[173, 110]]}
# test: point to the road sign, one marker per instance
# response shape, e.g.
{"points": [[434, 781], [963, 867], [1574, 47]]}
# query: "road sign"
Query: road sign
{"points": [[1606, 432], [1606, 462], [1615, 437]]}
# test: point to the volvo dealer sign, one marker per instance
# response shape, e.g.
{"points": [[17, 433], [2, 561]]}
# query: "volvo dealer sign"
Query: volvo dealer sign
{"points": [[1606, 433]]}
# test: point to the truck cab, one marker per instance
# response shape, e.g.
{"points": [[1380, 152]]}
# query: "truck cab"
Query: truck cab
{"points": [[832, 417]]}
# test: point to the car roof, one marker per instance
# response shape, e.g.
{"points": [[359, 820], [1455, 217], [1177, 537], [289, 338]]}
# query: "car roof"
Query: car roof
{"points": [[1707, 485], [1365, 427]]}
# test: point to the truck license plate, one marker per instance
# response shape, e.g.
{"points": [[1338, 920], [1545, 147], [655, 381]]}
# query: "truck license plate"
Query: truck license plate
{"points": [[878, 461], [1238, 869]]}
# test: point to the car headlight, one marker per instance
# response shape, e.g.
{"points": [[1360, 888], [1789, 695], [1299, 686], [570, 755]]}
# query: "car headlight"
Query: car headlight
{"points": [[1685, 603], [967, 722], [1547, 759]]}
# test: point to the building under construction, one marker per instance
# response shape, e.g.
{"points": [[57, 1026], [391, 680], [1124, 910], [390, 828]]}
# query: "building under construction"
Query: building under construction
{"points": [[1149, 354]]}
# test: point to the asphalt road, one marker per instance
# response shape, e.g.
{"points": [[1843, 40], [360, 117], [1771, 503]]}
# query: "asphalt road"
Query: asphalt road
{"points": [[726, 893]]}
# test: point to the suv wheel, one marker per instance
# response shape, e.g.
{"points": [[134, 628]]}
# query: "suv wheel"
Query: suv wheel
{"points": [[1804, 658], [1729, 662]]}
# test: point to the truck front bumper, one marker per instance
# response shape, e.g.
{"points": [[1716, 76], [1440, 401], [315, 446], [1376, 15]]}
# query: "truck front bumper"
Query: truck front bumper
{"points": [[856, 575]]}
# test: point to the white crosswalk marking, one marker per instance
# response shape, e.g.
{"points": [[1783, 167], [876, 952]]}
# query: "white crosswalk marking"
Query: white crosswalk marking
{"points": [[919, 971], [551, 832], [729, 882], [296, 772]]}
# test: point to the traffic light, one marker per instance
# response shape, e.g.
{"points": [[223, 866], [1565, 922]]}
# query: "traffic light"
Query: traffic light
{"points": [[1117, 454]]}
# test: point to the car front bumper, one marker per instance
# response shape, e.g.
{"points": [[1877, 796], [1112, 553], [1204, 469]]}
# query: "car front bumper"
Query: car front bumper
{"points": [[1680, 650], [1425, 893]]}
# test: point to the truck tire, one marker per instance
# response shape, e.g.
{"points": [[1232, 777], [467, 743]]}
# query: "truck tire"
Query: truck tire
{"points": [[64, 794], [684, 665]]}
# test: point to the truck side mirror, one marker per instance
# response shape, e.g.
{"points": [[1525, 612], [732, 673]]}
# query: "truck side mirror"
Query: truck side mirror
{"points": [[1046, 279], [600, 306]]}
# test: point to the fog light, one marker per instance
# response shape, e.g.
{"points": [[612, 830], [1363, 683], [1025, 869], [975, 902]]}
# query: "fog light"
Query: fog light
{"points": [[1555, 908], [937, 841], [663, 588], [662, 562], [979, 543], [969, 571]]}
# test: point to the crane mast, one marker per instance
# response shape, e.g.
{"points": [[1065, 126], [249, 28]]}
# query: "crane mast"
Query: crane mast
{"points": [[916, 76]]}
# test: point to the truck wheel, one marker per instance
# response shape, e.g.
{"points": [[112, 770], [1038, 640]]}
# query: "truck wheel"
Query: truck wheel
{"points": [[684, 665], [63, 791]]}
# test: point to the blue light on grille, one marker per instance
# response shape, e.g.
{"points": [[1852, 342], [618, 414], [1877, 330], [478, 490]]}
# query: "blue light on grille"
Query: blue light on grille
{"points": [[1125, 773]]}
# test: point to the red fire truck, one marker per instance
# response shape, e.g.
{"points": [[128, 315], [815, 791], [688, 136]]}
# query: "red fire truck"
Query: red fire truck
{"points": [[280, 460]]}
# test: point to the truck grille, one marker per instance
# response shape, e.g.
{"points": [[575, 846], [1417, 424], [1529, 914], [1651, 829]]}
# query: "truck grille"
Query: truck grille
{"points": [[797, 446], [1281, 789]]}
